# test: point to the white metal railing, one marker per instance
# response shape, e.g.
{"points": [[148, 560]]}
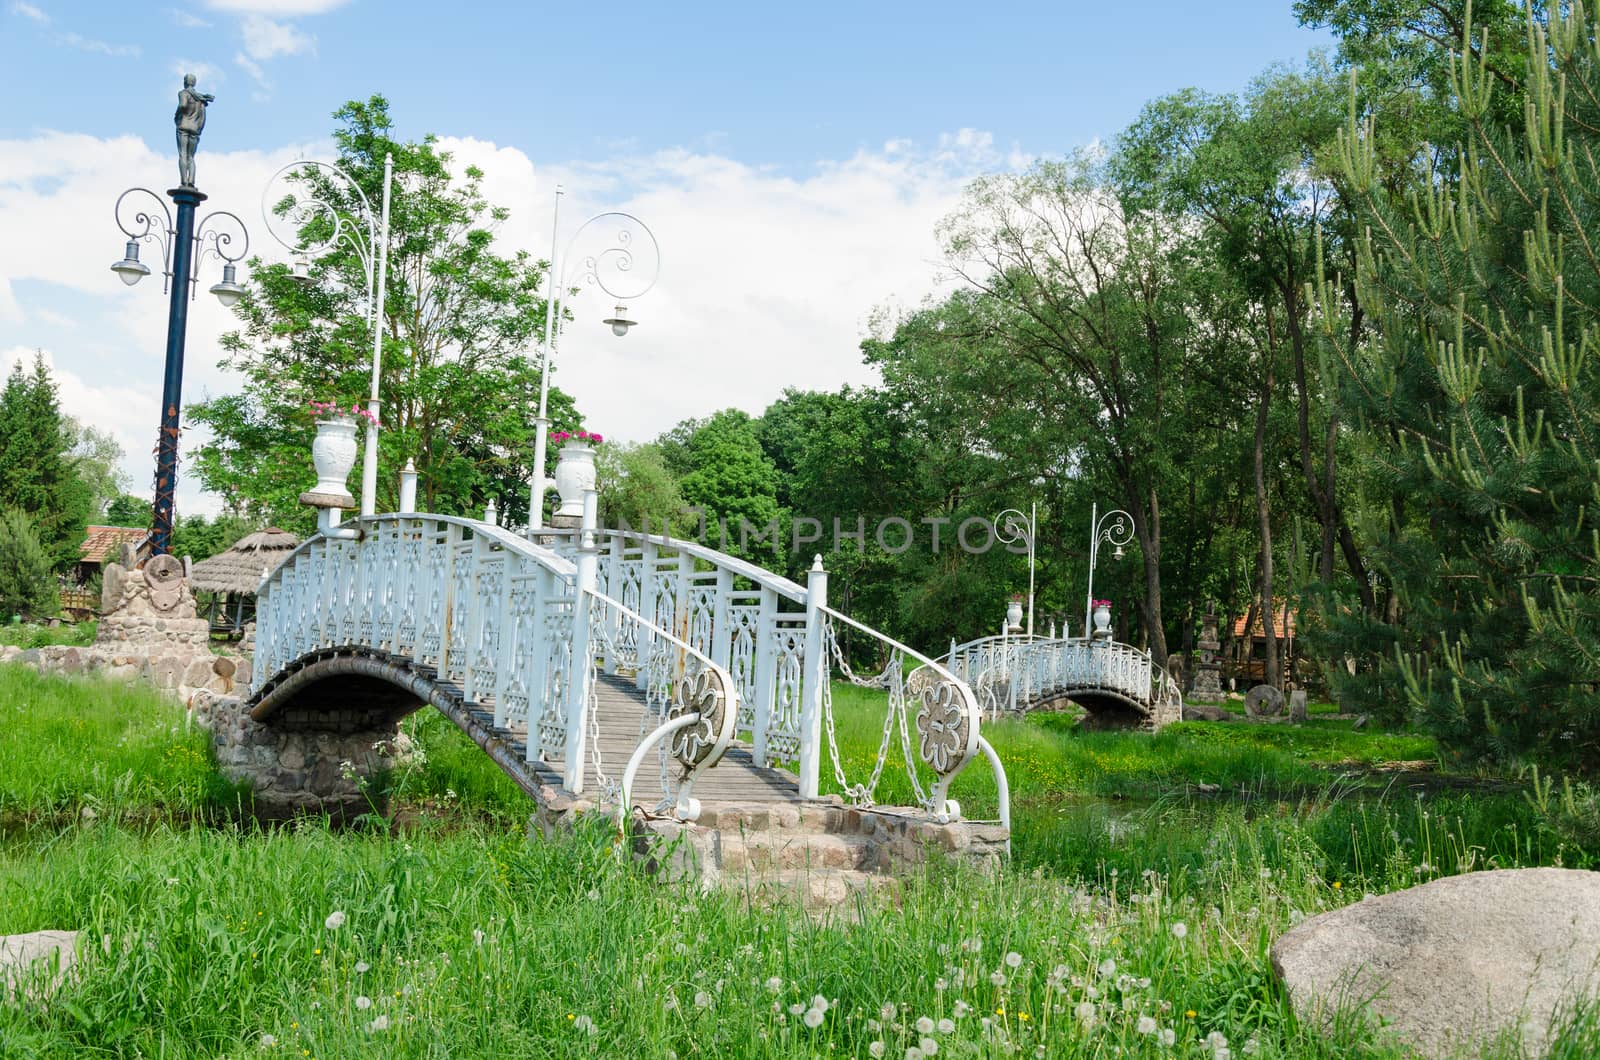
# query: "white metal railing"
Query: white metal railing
{"points": [[1013, 672], [524, 628]]}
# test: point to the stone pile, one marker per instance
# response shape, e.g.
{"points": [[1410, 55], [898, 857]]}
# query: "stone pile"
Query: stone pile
{"points": [[148, 632]]}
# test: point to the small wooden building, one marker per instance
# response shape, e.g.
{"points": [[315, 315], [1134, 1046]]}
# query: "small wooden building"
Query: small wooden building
{"points": [[226, 583]]}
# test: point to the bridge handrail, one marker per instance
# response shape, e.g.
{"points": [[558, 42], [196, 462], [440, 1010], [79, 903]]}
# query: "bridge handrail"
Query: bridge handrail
{"points": [[765, 579], [557, 563], [707, 697], [947, 721]]}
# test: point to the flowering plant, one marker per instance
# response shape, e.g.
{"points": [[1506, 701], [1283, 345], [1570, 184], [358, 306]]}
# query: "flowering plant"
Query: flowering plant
{"points": [[334, 410], [1103, 603], [1016, 598], [575, 436]]}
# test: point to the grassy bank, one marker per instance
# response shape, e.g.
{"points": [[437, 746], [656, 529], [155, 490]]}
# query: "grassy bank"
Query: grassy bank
{"points": [[460, 936]]}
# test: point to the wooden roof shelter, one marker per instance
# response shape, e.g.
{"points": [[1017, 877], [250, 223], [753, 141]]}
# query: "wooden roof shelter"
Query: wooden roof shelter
{"points": [[240, 569]]}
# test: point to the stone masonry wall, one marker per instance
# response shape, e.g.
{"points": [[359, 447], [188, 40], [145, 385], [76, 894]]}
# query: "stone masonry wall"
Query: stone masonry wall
{"points": [[333, 769]]}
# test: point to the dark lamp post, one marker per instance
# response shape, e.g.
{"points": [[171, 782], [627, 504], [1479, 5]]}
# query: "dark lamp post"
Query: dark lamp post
{"points": [[144, 218]]}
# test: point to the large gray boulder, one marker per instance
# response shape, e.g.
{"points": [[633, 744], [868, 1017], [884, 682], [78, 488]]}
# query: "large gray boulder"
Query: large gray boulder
{"points": [[1454, 963], [23, 956]]}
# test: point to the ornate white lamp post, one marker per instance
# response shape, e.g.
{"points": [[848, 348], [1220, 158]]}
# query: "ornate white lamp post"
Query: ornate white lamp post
{"points": [[1115, 528], [625, 269], [287, 220], [1011, 527]]}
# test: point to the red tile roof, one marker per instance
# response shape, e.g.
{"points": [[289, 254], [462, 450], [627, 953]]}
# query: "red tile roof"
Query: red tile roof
{"points": [[104, 543], [1277, 623]]}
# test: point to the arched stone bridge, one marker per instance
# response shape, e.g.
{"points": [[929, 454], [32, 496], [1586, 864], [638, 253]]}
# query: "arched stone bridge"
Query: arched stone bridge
{"points": [[592, 666], [1118, 685]]}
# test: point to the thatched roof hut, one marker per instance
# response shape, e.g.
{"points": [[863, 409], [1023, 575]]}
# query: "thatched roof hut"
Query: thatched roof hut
{"points": [[241, 568]]}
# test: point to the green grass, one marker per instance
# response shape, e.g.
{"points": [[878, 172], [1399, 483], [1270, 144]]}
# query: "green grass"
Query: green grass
{"points": [[29, 635], [478, 940], [110, 748]]}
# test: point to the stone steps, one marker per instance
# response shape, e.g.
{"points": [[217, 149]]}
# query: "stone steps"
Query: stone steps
{"points": [[821, 853]]}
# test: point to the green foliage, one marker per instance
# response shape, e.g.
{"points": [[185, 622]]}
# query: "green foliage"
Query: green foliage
{"points": [[459, 390], [637, 489], [1482, 399], [97, 459], [34, 635], [200, 538], [27, 584], [128, 510], [37, 473], [729, 477]]}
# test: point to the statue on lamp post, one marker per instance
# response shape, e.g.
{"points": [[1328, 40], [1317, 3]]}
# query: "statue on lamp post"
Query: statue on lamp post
{"points": [[190, 118]]}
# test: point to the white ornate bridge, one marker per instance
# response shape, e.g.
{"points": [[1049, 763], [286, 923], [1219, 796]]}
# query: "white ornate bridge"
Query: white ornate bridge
{"points": [[606, 663], [1117, 684]]}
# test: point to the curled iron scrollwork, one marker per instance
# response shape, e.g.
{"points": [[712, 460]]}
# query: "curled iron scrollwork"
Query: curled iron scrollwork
{"points": [[944, 728], [701, 693]]}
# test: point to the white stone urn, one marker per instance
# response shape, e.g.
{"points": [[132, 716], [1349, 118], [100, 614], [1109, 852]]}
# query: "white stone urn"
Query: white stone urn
{"points": [[334, 454], [574, 474], [1014, 615], [1102, 620]]}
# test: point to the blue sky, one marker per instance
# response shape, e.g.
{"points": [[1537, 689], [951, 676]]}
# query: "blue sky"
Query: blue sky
{"points": [[781, 85], [793, 160]]}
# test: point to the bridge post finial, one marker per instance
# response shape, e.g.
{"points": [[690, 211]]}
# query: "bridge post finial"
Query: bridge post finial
{"points": [[408, 488]]}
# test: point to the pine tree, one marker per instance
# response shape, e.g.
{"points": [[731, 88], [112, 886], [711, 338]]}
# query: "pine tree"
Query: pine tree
{"points": [[27, 586], [1480, 397], [37, 473]]}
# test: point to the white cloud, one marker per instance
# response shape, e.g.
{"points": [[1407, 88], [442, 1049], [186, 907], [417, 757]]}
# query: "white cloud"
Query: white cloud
{"points": [[53, 264], [205, 74], [30, 12], [264, 38], [280, 8], [187, 19], [256, 73], [98, 47], [769, 279]]}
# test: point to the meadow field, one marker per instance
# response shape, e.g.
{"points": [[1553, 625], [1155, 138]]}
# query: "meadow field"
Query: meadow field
{"points": [[1134, 918]]}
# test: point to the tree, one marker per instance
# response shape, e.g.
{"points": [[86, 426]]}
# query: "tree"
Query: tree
{"points": [[27, 584], [730, 480], [37, 476], [128, 510], [1065, 348], [1481, 397], [637, 490], [97, 458], [459, 392]]}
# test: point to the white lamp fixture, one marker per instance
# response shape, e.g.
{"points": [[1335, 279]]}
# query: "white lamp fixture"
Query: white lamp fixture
{"points": [[130, 268], [228, 290], [620, 322]]}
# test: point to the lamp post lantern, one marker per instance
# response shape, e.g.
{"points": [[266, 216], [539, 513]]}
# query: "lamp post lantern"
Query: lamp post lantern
{"points": [[1011, 527], [296, 213], [144, 218], [1115, 528], [617, 271]]}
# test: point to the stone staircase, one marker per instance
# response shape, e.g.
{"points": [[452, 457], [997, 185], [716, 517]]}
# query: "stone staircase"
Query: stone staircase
{"points": [[823, 854]]}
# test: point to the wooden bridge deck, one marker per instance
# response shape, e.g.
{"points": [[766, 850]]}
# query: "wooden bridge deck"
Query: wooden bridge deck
{"points": [[623, 722]]}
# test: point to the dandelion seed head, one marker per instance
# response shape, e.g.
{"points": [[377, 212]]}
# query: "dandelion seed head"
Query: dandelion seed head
{"points": [[1146, 1025], [363, 1002], [335, 920], [1180, 930], [813, 1018]]}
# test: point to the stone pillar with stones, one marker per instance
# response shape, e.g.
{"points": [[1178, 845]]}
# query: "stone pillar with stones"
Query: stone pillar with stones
{"points": [[1208, 679]]}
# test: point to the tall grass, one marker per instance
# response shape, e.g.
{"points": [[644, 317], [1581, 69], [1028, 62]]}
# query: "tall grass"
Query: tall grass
{"points": [[110, 748], [462, 936]]}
